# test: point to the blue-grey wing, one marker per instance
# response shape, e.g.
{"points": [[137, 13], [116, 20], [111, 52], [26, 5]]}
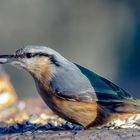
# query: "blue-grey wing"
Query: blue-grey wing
{"points": [[78, 83], [70, 83], [105, 90]]}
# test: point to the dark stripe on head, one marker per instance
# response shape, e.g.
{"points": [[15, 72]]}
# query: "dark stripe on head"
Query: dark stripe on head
{"points": [[31, 55], [51, 57]]}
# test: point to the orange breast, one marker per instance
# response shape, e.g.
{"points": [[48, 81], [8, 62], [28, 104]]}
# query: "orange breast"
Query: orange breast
{"points": [[87, 114], [79, 112]]}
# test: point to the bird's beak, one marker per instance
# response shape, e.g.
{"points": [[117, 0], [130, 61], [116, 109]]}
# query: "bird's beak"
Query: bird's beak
{"points": [[7, 59]]}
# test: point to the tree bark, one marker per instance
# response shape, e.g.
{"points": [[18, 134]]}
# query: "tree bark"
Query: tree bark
{"points": [[102, 134]]}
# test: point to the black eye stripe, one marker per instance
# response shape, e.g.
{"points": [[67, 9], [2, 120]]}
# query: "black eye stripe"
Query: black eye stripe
{"points": [[41, 54], [31, 55], [54, 61]]}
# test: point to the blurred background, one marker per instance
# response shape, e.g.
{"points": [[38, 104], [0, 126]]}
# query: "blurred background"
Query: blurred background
{"points": [[103, 36]]}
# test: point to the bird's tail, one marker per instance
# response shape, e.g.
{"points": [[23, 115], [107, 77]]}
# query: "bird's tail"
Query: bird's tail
{"points": [[107, 112], [129, 106]]}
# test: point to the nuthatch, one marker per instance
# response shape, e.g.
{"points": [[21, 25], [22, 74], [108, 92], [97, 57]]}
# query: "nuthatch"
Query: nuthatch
{"points": [[72, 91]]}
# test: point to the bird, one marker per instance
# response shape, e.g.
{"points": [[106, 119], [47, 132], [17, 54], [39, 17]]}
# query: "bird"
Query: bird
{"points": [[72, 91]]}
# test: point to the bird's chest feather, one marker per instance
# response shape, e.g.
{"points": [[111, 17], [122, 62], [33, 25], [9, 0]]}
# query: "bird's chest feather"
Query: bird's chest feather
{"points": [[71, 110]]}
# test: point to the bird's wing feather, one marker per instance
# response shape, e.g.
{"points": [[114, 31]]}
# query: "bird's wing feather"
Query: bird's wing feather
{"points": [[72, 93], [79, 83], [105, 90], [110, 95], [70, 83]]}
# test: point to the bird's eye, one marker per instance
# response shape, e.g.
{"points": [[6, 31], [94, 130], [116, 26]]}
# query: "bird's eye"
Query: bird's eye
{"points": [[29, 55]]}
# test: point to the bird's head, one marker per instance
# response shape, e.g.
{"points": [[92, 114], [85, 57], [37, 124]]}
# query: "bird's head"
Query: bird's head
{"points": [[40, 61]]}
